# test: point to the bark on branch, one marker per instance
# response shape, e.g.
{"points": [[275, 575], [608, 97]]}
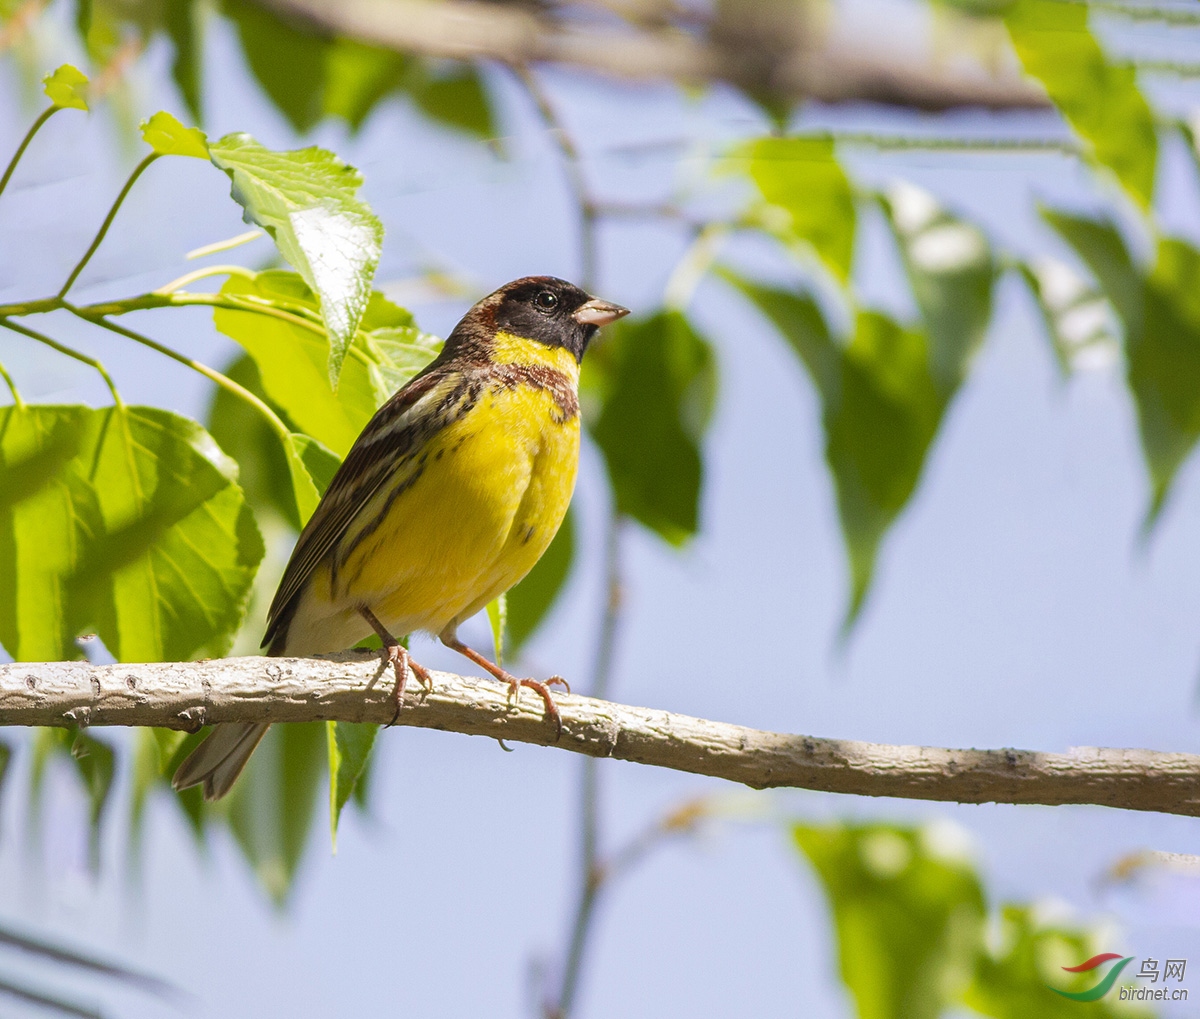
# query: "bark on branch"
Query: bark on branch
{"points": [[354, 687], [761, 48]]}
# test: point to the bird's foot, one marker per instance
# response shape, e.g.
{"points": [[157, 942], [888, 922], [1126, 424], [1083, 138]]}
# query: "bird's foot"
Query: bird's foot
{"points": [[514, 683], [543, 691]]}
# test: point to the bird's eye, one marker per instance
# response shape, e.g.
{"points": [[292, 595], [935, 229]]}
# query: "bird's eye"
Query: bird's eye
{"points": [[546, 301]]}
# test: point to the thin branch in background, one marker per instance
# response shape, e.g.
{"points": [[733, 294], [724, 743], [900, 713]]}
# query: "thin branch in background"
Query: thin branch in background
{"points": [[44, 1000], [44, 949], [572, 165], [760, 60], [589, 822], [108, 221], [70, 352]]}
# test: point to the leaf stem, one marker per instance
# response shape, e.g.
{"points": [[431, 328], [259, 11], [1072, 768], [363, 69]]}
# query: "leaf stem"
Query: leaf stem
{"points": [[12, 386], [108, 220], [45, 115], [695, 262], [199, 274], [62, 348], [224, 381]]}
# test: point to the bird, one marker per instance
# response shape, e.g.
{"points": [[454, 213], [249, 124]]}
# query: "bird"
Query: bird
{"points": [[448, 497]]}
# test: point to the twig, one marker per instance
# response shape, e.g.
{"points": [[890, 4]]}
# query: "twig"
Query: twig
{"points": [[45, 115], [108, 221], [584, 201], [354, 687], [70, 352]]}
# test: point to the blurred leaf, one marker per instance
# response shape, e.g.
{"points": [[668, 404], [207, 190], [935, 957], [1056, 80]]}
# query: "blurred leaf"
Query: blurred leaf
{"points": [[497, 613], [288, 63], [1100, 245], [456, 98], [1079, 319], [308, 76], [1099, 98], [1164, 365], [271, 806], [951, 271], [882, 408], [67, 87], [358, 77], [183, 22], [655, 381], [291, 355], [94, 762], [127, 521], [531, 600], [307, 201], [1161, 315], [166, 136], [1013, 981], [349, 745], [909, 921], [808, 196], [157, 753]]}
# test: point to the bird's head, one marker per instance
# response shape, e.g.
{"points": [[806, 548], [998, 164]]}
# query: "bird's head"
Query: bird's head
{"points": [[545, 309]]}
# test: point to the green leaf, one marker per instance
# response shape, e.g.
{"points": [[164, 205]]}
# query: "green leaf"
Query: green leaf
{"points": [[1164, 366], [654, 381], [1100, 245], [126, 521], [807, 196], [951, 270], [307, 201], [456, 98], [291, 354], [94, 761], [40, 453], [1099, 98], [67, 88], [909, 918], [359, 77], [497, 613], [881, 410], [271, 806], [1161, 315], [530, 601], [349, 745], [288, 63], [166, 136], [1013, 979], [1079, 319], [182, 19]]}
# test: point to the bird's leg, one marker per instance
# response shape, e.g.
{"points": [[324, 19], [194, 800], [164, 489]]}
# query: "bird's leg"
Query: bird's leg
{"points": [[450, 639], [401, 660]]}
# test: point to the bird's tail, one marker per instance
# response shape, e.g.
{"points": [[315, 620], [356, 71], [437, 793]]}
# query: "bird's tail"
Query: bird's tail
{"points": [[219, 760]]}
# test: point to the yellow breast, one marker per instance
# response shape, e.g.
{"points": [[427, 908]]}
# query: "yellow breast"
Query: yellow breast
{"points": [[480, 506]]}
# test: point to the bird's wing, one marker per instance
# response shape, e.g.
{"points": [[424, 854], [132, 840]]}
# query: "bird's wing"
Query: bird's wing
{"points": [[400, 427]]}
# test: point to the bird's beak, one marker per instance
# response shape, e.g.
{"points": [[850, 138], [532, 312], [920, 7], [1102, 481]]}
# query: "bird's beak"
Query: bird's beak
{"points": [[599, 313]]}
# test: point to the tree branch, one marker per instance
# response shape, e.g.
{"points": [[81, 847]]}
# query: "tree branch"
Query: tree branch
{"points": [[353, 686], [765, 54]]}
